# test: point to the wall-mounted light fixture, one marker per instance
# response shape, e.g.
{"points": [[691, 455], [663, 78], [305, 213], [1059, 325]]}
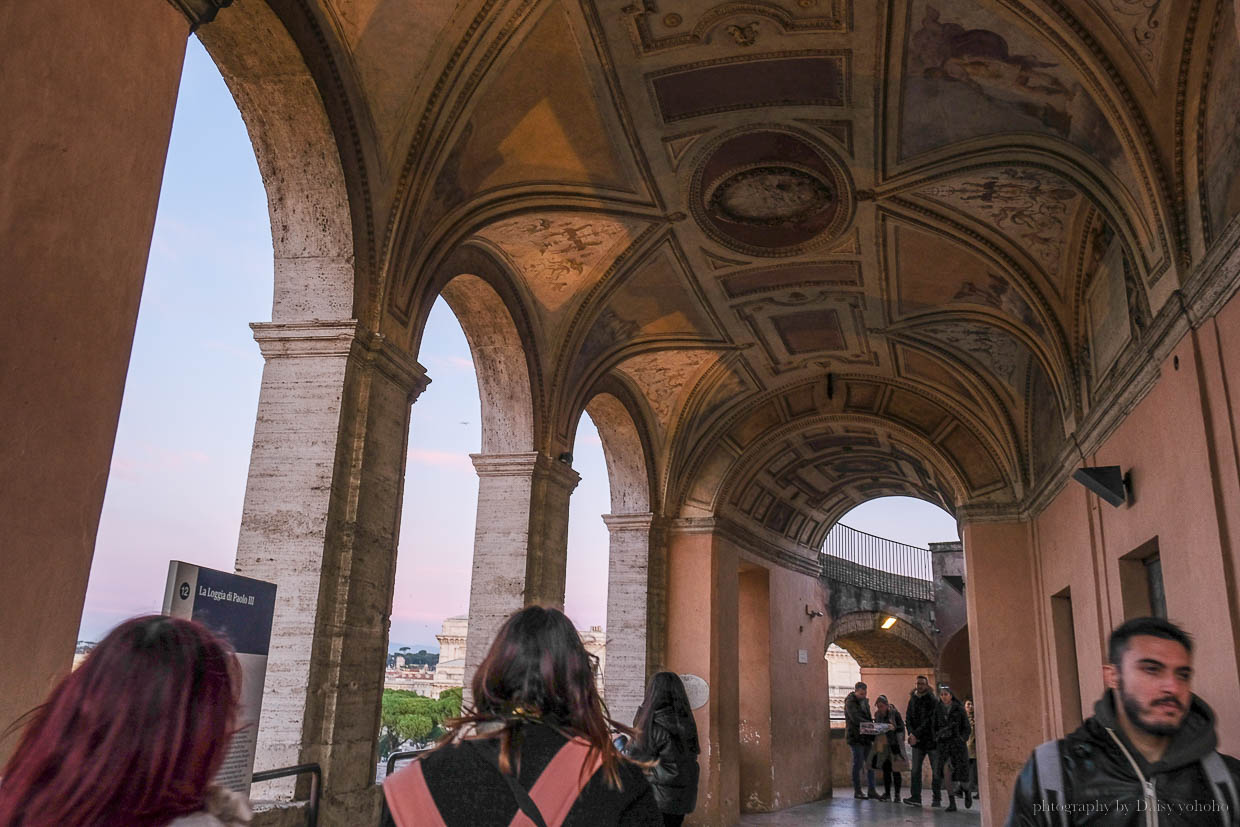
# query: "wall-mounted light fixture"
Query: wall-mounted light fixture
{"points": [[812, 613], [1109, 482], [889, 622]]}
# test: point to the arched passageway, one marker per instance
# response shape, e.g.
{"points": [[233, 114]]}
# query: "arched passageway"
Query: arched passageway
{"points": [[812, 271]]}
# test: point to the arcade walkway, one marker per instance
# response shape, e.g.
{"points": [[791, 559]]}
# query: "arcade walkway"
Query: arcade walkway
{"points": [[848, 811]]}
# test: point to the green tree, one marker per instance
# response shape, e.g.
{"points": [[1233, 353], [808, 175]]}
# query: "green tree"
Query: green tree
{"points": [[405, 716]]}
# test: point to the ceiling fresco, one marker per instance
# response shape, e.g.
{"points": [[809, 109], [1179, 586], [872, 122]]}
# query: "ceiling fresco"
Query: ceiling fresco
{"points": [[831, 250]]}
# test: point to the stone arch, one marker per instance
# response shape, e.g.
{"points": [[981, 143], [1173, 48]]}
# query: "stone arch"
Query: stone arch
{"points": [[637, 576], [495, 325], [626, 448], [862, 636], [312, 207]]}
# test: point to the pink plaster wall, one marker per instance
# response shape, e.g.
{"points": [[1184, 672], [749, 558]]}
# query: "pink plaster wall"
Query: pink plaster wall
{"points": [[88, 101], [754, 658], [1179, 443], [800, 713], [702, 640]]}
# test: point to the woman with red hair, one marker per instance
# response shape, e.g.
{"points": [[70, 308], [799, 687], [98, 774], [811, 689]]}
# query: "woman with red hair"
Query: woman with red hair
{"points": [[132, 737]]}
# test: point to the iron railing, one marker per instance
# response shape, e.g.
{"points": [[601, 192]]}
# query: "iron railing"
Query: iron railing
{"points": [[861, 559], [407, 755], [316, 783]]}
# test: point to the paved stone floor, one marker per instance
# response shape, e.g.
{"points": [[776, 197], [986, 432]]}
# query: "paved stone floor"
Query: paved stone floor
{"points": [[842, 811]]}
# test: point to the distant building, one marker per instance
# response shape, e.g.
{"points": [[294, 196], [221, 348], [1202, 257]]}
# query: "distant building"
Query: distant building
{"points": [[449, 673]]}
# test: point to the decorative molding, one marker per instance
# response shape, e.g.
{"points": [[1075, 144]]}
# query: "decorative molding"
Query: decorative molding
{"points": [[525, 464], [199, 12], [341, 339], [640, 521]]}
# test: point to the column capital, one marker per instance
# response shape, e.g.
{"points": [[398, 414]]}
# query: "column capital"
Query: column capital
{"points": [[345, 339], [525, 464], [639, 521], [199, 11]]}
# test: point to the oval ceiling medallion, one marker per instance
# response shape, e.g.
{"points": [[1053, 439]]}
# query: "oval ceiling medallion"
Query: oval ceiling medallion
{"points": [[771, 193]]}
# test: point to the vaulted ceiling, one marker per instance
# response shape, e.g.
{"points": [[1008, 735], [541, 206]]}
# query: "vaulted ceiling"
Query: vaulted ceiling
{"points": [[836, 250]]}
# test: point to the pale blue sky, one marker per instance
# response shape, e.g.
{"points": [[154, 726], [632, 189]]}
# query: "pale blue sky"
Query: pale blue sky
{"points": [[183, 444]]}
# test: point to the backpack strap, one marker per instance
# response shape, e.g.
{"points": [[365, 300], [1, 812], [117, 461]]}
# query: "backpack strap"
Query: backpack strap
{"points": [[409, 799], [561, 782], [1223, 784], [1051, 782]]}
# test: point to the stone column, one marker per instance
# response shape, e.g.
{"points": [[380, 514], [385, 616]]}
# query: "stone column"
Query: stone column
{"points": [[628, 583], [321, 520], [1008, 693], [520, 543], [87, 102]]}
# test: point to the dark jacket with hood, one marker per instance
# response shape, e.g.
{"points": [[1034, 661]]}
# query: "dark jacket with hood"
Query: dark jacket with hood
{"points": [[856, 710], [919, 717], [675, 776], [1102, 787]]}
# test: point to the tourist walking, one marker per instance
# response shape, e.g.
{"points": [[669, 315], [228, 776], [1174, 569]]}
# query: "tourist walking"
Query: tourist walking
{"points": [[971, 744], [887, 754], [133, 737], [1147, 756], [666, 735], [536, 741], [951, 731], [919, 718], [856, 712]]}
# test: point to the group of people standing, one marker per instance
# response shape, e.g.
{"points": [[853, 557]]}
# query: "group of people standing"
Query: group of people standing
{"points": [[941, 729]]}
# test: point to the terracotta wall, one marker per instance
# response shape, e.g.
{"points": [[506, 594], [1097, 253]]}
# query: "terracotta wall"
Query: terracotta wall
{"points": [[1180, 444], [702, 640], [754, 659], [741, 623], [83, 137], [800, 712]]}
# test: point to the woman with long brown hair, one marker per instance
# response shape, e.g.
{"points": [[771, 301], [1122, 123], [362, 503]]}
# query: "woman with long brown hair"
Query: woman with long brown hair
{"points": [[667, 736], [535, 749], [132, 737]]}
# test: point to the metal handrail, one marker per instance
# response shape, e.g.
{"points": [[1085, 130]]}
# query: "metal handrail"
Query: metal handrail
{"points": [[403, 756], [862, 559], [316, 782]]}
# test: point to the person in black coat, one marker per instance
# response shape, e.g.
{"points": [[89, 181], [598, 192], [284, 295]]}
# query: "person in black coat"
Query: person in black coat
{"points": [[951, 731], [919, 718], [1145, 752], [857, 712], [667, 735]]}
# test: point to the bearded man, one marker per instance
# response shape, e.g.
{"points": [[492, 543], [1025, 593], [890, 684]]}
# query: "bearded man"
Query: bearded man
{"points": [[1147, 756]]}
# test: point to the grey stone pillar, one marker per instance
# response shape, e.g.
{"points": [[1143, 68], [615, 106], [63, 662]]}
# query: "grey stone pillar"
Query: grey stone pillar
{"points": [[628, 583], [520, 543], [321, 520]]}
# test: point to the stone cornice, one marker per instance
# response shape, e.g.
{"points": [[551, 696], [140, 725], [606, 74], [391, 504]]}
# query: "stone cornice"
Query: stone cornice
{"points": [[525, 464], [343, 339], [640, 521], [198, 12]]}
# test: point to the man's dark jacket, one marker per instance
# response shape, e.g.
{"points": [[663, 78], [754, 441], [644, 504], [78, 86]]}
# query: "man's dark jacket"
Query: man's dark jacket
{"points": [[856, 710], [1101, 787], [919, 718]]}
